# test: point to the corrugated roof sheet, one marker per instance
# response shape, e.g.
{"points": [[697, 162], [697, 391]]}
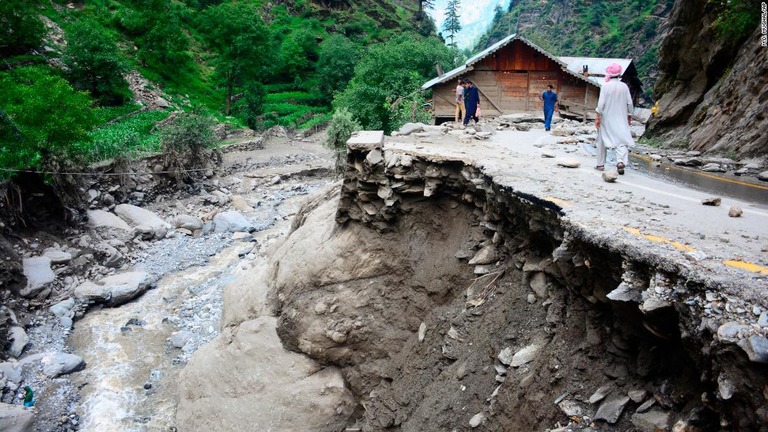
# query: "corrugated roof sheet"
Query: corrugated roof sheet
{"points": [[596, 65], [501, 44], [447, 76]]}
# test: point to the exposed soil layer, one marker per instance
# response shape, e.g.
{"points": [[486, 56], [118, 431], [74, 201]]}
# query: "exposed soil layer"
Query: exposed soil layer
{"points": [[451, 302]]}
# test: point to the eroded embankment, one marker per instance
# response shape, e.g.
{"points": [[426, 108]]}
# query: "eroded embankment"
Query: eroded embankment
{"points": [[449, 301]]}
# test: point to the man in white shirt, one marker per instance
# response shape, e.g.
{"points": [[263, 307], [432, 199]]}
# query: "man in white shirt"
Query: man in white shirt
{"points": [[460, 112], [614, 115]]}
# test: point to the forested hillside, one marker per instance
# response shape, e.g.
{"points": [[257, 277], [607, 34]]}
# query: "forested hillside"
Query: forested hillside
{"points": [[86, 81], [589, 28]]}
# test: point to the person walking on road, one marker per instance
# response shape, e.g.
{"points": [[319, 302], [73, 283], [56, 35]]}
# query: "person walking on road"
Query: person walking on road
{"points": [[549, 98], [471, 102], [460, 110], [614, 116]]}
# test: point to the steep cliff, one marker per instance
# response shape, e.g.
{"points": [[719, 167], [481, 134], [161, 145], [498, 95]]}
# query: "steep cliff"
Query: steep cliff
{"points": [[713, 87]]}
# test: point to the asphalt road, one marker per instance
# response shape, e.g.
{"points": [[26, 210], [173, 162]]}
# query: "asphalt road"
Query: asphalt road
{"points": [[665, 216]]}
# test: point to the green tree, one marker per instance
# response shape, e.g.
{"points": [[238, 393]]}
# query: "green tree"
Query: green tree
{"points": [[43, 119], [452, 23], [336, 67], [390, 72], [252, 106], [237, 33], [94, 63], [20, 26], [165, 44]]}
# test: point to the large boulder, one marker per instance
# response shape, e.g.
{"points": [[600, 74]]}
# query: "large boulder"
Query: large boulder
{"points": [[245, 380], [19, 341], [54, 364], [232, 221], [114, 290], [101, 218], [15, 418], [39, 275], [187, 222], [143, 219]]}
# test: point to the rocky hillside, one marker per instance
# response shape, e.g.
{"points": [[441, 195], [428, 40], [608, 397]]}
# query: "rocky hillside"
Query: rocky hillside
{"points": [[713, 84]]}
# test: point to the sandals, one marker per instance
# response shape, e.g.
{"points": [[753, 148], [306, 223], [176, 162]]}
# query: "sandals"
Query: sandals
{"points": [[620, 167], [600, 167]]}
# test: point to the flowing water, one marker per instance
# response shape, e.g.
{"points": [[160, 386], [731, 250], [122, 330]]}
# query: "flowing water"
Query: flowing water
{"points": [[126, 348]]}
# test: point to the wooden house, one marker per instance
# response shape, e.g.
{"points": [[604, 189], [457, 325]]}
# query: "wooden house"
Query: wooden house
{"points": [[512, 73]]}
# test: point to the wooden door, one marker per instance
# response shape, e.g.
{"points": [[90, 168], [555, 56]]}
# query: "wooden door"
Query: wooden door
{"points": [[537, 84]]}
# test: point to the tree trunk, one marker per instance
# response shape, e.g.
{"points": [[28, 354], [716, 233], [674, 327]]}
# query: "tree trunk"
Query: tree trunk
{"points": [[229, 99]]}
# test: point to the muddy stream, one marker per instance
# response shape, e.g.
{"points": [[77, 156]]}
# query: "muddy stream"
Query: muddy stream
{"points": [[135, 352]]}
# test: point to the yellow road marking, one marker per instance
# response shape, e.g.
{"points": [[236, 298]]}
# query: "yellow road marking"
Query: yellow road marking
{"points": [[742, 265], [727, 180], [748, 266], [658, 239]]}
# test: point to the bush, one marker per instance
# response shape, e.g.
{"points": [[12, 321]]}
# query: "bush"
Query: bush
{"points": [[184, 142], [253, 104], [338, 133]]}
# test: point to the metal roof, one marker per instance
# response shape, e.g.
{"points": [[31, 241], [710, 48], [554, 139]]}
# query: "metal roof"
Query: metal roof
{"points": [[596, 66], [501, 44]]}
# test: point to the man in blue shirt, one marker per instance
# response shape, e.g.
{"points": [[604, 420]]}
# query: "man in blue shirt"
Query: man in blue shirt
{"points": [[550, 106], [471, 102]]}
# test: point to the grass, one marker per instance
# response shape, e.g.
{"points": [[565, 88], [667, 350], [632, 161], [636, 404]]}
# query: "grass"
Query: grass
{"points": [[134, 135]]}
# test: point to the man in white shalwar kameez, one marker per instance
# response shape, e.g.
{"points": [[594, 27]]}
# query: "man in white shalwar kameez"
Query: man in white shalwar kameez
{"points": [[614, 115]]}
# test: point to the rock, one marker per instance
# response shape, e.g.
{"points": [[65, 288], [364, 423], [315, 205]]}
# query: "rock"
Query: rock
{"points": [[374, 157], [725, 387], [15, 418], [600, 393], [654, 303], [531, 299], [410, 128], [484, 269], [625, 292], [242, 376], [646, 405], [525, 355], [735, 212], [39, 275], [57, 256], [713, 167], [730, 331], [763, 176], [655, 157], [539, 284], [652, 421], [711, 201], [55, 364], [568, 163], [486, 255], [692, 162], [610, 176], [114, 290], [476, 420], [505, 356], [548, 154], [637, 396], [756, 348], [137, 216], [19, 341], [111, 257], [571, 408], [763, 320], [611, 409], [232, 221], [179, 339], [11, 371], [187, 222], [422, 331], [239, 203]]}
